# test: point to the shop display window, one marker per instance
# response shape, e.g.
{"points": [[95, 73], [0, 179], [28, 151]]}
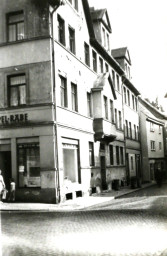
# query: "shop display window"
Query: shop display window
{"points": [[29, 165]]}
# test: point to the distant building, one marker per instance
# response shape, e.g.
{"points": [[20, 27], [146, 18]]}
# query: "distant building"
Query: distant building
{"points": [[152, 128]]}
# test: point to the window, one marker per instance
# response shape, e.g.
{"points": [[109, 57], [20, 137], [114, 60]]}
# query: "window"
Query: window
{"points": [[91, 154], [135, 135], [133, 101], [117, 155], [130, 130], [72, 39], [61, 30], [111, 111], [113, 78], [101, 64], [121, 155], [76, 4], [132, 166], [94, 56], [111, 152], [152, 145], [151, 127], [136, 104], [120, 119], [106, 67], [28, 165], [128, 97], [125, 100], [160, 145], [105, 107], [102, 147], [116, 119], [74, 103], [159, 129], [108, 42], [63, 92], [104, 37], [15, 26], [89, 104], [17, 90], [87, 56], [126, 129], [118, 87]]}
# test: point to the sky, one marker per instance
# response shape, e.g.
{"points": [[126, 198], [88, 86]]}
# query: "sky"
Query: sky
{"points": [[141, 25]]}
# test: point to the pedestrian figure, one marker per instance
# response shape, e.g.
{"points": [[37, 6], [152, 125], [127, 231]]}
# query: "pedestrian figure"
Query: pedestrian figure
{"points": [[98, 183], [92, 181], [12, 191], [2, 185]]}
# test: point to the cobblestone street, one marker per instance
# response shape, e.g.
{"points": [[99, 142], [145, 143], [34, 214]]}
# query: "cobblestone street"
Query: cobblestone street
{"points": [[131, 226]]}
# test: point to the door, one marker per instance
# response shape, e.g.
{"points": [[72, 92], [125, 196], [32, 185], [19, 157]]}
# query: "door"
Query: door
{"points": [[103, 172], [5, 166]]}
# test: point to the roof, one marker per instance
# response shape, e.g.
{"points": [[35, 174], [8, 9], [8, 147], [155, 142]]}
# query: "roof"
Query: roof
{"points": [[121, 53], [102, 15], [101, 81]]}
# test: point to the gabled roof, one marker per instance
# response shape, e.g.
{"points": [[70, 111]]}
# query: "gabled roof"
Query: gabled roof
{"points": [[101, 15], [100, 82], [121, 53]]}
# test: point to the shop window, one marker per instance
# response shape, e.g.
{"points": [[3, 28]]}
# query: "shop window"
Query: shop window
{"points": [[111, 152], [91, 154], [71, 39], [89, 104], [94, 56], [74, 101], [87, 54], [15, 26], [29, 165], [63, 92], [17, 90], [61, 30]]}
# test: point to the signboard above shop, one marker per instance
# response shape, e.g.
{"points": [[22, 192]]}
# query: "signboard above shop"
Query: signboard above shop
{"points": [[16, 118]]}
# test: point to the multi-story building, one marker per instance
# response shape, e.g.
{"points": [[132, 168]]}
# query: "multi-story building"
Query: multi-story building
{"points": [[152, 123], [130, 116], [61, 97]]}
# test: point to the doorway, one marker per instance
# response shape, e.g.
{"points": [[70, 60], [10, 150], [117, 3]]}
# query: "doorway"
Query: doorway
{"points": [[5, 166], [103, 172]]}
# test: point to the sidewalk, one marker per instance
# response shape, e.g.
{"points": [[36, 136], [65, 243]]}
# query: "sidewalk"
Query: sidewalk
{"points": [[79, 203]]}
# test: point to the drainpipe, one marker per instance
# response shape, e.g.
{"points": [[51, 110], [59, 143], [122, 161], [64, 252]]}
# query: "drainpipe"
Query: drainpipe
{"points": [[59, 3]]}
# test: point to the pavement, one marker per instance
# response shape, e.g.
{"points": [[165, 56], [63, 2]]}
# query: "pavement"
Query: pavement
{"points": [[80, 203]]}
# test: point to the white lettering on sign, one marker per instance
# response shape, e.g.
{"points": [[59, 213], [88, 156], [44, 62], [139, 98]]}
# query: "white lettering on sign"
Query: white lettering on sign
{"points": [[14, 118]]}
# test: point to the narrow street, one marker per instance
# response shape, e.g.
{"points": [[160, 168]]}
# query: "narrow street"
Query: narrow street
{"points": [[135, 225]]}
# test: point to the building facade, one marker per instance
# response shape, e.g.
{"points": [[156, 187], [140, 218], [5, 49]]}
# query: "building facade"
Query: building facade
{"points": [[65, 118], [152, 125]]}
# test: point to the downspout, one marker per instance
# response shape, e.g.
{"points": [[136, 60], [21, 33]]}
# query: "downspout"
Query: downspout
{"points": [[60, 2]]}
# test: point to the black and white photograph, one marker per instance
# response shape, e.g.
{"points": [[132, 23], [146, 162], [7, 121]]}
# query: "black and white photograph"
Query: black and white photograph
{"points": [[83, 128]]}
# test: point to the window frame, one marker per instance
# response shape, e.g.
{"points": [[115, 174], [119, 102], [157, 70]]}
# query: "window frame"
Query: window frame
{"points": [[61, 39], [91, 154], [152, 145], [72, 43], [87, 54], [101, 65], [8, 15], [74, 97], [105, 100], [64, 101], [111, 154], [89, 105], [9, 86], [94, 60]]}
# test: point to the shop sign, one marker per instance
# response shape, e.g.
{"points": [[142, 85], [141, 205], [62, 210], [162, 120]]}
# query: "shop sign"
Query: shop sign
{"points": [[18, 118]]}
